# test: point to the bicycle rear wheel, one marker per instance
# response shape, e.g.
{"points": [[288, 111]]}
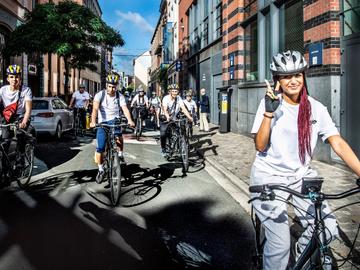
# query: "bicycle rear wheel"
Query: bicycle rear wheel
{"points": [[115, 178], [27, 169], [184, 153]]}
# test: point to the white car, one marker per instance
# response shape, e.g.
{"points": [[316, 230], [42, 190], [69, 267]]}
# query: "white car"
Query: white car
{"points": [[51, 115]]}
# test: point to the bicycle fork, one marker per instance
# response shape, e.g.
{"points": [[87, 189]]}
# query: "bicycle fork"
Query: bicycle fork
{"points": [[316, 253]]}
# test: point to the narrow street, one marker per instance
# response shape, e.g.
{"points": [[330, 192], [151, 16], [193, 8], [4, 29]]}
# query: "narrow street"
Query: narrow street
{"points": [[164, 220]]}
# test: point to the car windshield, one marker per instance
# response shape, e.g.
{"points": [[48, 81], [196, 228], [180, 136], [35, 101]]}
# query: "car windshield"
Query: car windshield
{"points": [[40, 105]]}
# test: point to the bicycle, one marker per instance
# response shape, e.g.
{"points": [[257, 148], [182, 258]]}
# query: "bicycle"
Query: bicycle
{"points": [[153, 118], [13, 164], [78, 124], [138, 128], [316, 254], [112, 163], [178, 142]]}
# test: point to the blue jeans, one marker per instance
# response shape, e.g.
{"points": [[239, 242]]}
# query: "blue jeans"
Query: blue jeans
{"points": [[101, 136]]}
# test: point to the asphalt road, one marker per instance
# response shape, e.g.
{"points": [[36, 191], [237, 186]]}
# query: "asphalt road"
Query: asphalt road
{"points": [[165, 220]]}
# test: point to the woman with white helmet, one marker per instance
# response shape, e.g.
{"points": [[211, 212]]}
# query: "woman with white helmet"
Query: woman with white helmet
{"points": [[287, 125]]}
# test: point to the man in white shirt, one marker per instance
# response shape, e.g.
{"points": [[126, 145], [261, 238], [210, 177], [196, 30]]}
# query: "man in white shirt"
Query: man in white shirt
{"points": [[107, 106], [190, 105], [140, 104], [80, 101], [172, 105], [16, 101]]}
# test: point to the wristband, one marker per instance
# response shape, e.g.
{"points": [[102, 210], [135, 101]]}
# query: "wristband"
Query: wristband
{"points": [[267, 116]]}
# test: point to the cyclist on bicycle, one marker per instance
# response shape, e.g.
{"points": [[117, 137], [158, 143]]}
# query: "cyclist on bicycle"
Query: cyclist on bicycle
{"points": [[286, 127], [172, 104], [15, 106], [140, 102], [108, 105], [155, 104], [80, 102], [190, 105]]}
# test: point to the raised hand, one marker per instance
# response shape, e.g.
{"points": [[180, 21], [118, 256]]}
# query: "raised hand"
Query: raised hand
{"points": [[272, 101]]}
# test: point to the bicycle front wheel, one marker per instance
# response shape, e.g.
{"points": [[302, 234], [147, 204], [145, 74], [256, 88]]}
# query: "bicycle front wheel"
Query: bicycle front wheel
{"points": [[115, 178], [184, 154], [27, 166]]}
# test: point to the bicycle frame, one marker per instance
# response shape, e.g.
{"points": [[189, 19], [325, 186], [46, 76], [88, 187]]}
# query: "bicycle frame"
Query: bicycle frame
{"points": [[9, 160], [316, 252], [112, 161], [180, 131]]}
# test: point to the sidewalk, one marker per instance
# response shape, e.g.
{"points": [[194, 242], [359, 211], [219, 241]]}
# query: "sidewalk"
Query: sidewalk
{"points": [[233, 154]]}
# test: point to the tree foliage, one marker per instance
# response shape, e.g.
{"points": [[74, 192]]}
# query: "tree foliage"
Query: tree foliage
{"points": [[67, 29]]}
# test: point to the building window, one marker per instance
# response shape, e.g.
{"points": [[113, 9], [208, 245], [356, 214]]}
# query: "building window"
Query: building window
{"points": [[251, 52], [293, 24], [351, 22], [268, 49], [205, 34], [218, 22]]}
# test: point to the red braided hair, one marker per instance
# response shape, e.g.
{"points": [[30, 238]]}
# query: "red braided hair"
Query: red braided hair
{"points": [[304, 125]]}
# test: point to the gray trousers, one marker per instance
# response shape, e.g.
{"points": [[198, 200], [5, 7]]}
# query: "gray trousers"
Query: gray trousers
{"points": [[274, 218]]}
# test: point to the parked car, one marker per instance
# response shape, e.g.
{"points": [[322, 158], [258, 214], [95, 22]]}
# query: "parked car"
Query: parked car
{"points": [[51, 115]]}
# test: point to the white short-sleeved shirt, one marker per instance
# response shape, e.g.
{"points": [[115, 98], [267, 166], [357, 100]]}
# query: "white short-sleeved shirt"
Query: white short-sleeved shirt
{"points": [[155, 101], [171, 108], [109, 108], [9, 97], [190, 105], [137, 99], [282, 155], [80, 98]]}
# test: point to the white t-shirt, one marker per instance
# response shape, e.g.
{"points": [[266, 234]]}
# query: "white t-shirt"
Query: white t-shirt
{"points": [[282, 155], [9, 97], [80, 98], [137, 99], [155, 101], [169, 103], [109, 107], [190, 105]]}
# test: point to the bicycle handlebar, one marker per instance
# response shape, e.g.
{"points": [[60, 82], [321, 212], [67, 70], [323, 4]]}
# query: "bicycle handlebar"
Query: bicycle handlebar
{"points": [[15, 125], [268, 194], [111, 126]]}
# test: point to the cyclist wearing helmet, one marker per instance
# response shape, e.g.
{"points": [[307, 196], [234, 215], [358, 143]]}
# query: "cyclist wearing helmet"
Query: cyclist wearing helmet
{"points": [[16, 105], [140, 102], [81, 99], [172, 105], [286, 127], [155, 103], [107, 106], [190, 105]]}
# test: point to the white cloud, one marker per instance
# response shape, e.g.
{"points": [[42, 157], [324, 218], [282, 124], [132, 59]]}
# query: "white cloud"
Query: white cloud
{"points": [[136, 19]]}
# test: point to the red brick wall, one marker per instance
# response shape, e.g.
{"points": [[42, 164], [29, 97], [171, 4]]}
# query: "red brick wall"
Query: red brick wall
{"points": [[322, 24], [232, 16]]}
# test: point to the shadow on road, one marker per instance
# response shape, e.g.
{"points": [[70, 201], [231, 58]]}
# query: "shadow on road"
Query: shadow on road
{"points": [[49, 236]]}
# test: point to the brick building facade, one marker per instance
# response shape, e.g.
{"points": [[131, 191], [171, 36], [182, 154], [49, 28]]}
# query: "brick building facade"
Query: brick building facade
{"points": [[253, 31]]}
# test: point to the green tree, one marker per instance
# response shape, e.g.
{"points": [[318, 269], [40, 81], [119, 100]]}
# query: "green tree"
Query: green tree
{"points": [[67, 29]]}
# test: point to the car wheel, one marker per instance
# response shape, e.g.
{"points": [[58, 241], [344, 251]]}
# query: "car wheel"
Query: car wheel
{"points": [[58, 132]]}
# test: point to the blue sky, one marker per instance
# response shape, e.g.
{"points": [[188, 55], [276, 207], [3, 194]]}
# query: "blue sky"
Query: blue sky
{"points": [[135, 20]]}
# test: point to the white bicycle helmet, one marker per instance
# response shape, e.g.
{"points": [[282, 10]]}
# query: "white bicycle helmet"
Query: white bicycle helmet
{"points": [[288, 62]]}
